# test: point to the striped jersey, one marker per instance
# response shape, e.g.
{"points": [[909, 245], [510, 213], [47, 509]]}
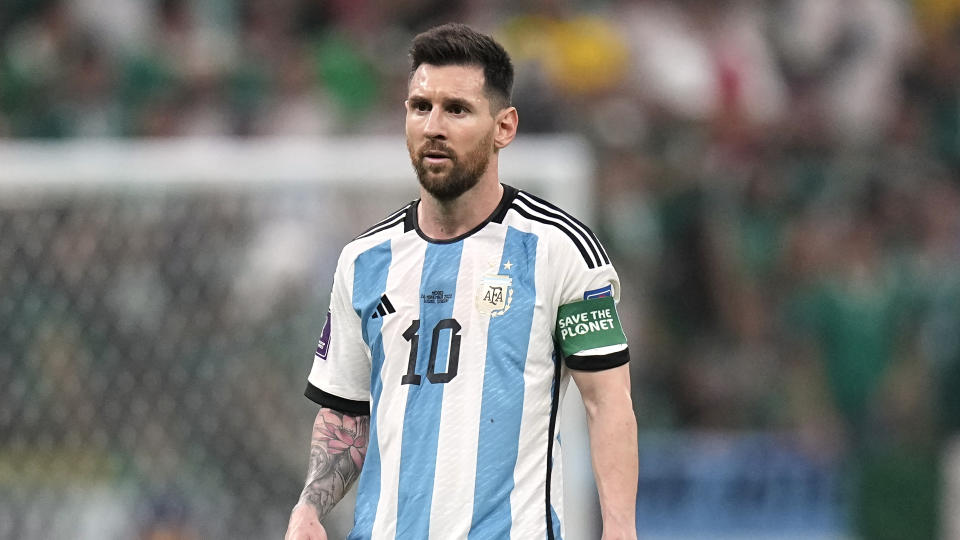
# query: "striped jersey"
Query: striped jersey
{"points": [[460, 350]]}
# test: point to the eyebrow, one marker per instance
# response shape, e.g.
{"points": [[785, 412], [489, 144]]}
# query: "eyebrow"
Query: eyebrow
{"points": [[457, 101], [448, 101]]}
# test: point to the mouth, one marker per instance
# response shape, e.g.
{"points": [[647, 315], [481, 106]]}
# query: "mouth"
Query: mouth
{"points": [[435, 157], [435, 151]]}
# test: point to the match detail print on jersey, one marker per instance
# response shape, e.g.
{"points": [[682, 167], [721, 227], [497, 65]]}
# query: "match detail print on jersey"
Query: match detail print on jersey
{"points": [[587, 325]]}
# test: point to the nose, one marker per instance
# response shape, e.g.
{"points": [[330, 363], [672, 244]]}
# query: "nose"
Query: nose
{"points": [[434, 127]]}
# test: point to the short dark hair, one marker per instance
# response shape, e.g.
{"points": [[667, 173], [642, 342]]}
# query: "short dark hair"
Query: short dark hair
{"points": [[458, 44]]}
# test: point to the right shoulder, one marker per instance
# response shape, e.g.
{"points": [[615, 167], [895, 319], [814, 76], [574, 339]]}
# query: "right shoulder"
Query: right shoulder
{"points": [[395, 224]]}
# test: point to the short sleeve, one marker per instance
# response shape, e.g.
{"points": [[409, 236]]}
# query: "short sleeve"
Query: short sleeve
{"points": [[340, 377], [588, 331]]}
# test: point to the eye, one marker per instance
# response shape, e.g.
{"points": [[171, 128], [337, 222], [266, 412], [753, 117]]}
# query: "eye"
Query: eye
{"points": [[420, 106], [457, 109]]}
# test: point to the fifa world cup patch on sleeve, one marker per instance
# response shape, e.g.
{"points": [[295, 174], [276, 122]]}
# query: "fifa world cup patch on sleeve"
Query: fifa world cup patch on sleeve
{"points": [[588, 324], [324, 344]]}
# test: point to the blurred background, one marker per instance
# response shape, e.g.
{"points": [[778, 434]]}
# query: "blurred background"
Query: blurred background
{"points": [[777, 181]]}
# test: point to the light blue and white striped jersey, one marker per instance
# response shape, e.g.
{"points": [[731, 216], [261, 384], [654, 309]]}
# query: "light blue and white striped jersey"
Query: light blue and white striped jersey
{"points": [[459, 350]]}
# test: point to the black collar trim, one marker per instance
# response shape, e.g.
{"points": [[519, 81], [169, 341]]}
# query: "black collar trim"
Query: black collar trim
{"points": [[500, 212]]}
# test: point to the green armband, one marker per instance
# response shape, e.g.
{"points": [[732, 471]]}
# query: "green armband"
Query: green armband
{"points": [[588, 324]]}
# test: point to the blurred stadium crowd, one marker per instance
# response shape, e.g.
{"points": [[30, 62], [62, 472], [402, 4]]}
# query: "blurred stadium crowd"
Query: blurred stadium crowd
{"points": [[778, 181]]}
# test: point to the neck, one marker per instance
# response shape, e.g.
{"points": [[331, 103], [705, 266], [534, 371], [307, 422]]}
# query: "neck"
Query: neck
{"points": [[443, 220]]}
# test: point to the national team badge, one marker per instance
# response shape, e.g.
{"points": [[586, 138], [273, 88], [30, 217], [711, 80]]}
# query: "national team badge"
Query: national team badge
{"points": [[494, 294], [599, 293]]}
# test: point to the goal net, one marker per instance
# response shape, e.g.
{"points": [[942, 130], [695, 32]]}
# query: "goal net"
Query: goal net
{"points": [[160, 304]]}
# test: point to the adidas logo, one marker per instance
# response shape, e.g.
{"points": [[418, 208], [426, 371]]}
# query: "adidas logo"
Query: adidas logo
{"points": [[383, 308]]}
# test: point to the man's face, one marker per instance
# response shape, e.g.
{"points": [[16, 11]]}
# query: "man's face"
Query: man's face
{"points": [[449, 128]]}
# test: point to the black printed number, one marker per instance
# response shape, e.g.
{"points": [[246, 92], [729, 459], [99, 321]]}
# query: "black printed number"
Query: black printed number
{"points": [[410, 334], [453, 356]]}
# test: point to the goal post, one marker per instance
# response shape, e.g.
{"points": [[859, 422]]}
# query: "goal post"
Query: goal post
{"points": [[558, 167]]}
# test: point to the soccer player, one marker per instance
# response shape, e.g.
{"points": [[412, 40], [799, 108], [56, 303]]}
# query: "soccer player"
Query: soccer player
{"points": [[454, 327]]}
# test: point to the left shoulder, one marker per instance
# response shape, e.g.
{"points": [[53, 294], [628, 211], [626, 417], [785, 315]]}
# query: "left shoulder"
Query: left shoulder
{"points": [[560, 226]]}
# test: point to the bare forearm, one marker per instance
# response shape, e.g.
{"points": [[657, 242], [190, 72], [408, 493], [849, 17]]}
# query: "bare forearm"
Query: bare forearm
{"points": [[337, 450], [613, 448]]}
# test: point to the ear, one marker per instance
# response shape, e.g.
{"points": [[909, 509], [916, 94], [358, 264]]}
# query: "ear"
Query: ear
{"points": [[506, 127]]}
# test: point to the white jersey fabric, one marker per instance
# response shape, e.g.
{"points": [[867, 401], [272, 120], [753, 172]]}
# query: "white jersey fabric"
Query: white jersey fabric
{"points": [[453, 348]]}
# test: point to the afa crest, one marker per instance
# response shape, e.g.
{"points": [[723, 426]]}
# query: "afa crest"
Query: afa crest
{"points": [[494, 294]]}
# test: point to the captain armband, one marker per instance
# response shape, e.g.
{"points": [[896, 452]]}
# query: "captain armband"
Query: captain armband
{"points": [[590, 327]]}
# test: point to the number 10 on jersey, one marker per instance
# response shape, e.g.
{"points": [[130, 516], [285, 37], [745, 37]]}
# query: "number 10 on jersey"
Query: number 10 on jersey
{"points": [[453, 353]]}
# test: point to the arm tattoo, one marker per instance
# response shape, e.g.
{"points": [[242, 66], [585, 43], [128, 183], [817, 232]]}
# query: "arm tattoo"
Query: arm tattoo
{"points": [[337, 450]]}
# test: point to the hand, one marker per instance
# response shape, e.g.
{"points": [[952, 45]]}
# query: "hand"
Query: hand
{"points": [[304, 524]]}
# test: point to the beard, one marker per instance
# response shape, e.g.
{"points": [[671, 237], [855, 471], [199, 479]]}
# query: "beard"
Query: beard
{"points": [[464, 173]]}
